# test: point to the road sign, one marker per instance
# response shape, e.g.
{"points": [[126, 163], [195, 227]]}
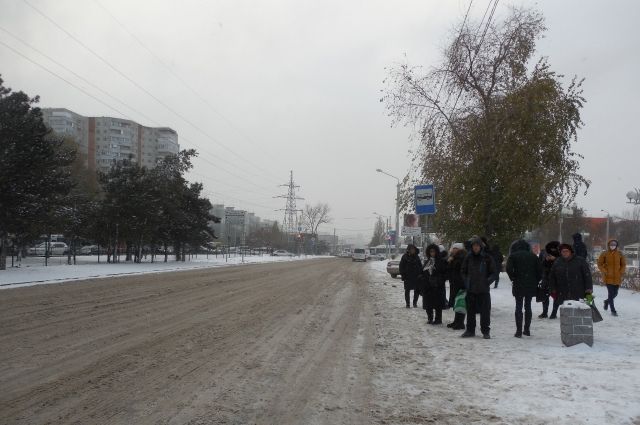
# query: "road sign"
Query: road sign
{"points": [[425, 199], [411, 231]]}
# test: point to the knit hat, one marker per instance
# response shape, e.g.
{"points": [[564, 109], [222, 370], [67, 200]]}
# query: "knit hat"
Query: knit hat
{"points": [[457, 245], [564, 246]]}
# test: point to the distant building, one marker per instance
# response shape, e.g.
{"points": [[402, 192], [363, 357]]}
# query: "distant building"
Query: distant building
{"points": [[104, 140]]}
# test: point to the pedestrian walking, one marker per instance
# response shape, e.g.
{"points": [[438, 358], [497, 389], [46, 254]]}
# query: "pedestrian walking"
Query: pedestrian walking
{"points": [[579, 247], [498, 258], [478, 270], [548, 257], [525, 271], [570, 278], [612, 265], [434, 271], [410, 269], [456, 282]]}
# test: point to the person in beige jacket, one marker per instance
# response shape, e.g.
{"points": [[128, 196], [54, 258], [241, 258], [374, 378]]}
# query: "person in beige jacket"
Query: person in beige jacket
{"points": [[612, 265]]}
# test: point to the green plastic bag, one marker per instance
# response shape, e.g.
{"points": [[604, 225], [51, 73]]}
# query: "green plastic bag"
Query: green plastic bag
{"points": [[460, 304]]}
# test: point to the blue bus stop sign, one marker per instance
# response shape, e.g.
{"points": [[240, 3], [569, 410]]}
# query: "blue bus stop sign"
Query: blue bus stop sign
{"points": [[425, 199]]}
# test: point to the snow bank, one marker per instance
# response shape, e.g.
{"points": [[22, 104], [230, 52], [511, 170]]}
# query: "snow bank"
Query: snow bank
{"points": [[33, 272], [428, 373]]}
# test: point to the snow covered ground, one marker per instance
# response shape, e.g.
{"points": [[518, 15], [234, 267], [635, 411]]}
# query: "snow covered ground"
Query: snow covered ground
{"points": [[443, 378], [32, 270]]}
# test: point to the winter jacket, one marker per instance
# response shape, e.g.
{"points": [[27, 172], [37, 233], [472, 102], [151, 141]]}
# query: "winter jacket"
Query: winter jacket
{"points": [[497, 256], [524, 269], [478, 270], [410, 269], [456, 281], [612, 265], [571, 278], [551, 249], [579, 247], [433, 289]]}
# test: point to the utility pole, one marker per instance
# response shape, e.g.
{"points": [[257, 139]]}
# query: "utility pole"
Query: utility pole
{"points": [[397, 208], [290, 221]]}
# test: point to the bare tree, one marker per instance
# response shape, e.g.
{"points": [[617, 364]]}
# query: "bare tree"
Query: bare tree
{"points": [[314, 216], [495, 129]]}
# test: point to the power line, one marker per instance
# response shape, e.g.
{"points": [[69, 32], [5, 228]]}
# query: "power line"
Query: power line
{"points": [[140, 87], [108, 106], [179, 78], [119, 112], [486, 28]]}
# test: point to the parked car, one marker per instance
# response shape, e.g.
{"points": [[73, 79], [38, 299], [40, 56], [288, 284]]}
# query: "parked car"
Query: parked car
{"points": [[393, 268], [282, 253], [378, 257], [92, 250], [55, 248]]}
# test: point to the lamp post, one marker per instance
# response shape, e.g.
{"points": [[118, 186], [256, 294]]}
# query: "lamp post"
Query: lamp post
{"points": [[397, 207]]}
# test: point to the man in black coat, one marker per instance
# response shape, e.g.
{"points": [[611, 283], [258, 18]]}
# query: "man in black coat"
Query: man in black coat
{"points": [[478, 271], [410, 269], [570, 278], [579, 247], [525, 271]]}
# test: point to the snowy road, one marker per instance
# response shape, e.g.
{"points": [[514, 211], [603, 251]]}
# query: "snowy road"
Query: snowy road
{"points": [[305, 342], [281, 343]]}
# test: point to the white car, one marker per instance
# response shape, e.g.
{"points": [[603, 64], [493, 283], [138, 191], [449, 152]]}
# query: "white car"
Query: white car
{"points": [[282, 253], [359, 254], [55, 248]]}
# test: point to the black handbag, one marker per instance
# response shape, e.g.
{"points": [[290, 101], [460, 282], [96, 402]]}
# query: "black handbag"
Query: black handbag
{"points": [[595, 314], [541, 294]]}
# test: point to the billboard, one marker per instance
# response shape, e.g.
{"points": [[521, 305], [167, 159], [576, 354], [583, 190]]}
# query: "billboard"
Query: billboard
{"points": [[411, 225]]}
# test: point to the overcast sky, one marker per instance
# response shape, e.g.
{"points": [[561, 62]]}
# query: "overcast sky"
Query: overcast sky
{"points": [[295, 85]]}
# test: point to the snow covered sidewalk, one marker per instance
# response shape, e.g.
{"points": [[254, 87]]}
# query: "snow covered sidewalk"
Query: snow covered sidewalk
{"points": [[428, 374], [33, 272]]}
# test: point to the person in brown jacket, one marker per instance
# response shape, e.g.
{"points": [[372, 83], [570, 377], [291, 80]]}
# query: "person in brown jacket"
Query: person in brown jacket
{"points": [[612, 265]]}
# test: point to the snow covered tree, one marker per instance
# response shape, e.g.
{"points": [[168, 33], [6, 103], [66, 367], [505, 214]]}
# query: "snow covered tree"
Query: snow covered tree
{"points": [[495, 131], [34, 172]]}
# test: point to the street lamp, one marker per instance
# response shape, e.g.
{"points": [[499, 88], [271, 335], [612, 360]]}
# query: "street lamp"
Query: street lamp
{"points": [[397, 207]]}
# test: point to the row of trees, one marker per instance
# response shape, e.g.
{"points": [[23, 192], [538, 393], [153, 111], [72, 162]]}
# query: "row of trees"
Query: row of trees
{"points": [[46, 188], [495, 131]]}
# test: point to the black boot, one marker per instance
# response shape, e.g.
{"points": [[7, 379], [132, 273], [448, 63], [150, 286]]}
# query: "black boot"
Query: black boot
{"points": [[458, 322], [527, 324], [518, 325], [438, 320], [430, 317]]}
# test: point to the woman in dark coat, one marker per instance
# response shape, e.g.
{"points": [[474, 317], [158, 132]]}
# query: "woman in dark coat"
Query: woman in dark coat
{"points": [[410, 269], [525, 271], [569, 278], [434, 269], [548, 257], [456, 282]]}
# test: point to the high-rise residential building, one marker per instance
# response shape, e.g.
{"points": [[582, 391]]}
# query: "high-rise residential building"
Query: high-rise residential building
{"points": [[103, 140]]}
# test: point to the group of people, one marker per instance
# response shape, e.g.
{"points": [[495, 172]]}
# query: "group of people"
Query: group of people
{"points": [[560, 272]]}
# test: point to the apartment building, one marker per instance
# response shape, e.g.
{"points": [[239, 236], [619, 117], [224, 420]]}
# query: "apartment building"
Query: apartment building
{"points": [[103, 140]]}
